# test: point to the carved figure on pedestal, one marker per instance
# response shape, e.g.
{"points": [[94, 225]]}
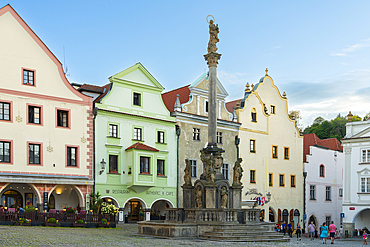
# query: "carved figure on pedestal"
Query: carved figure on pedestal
{"points": [[187, 171], [198, 197], [238, 172], [213, 31], [208, 163], [224, 195]]}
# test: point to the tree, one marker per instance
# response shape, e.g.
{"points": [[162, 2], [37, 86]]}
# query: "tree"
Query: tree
{"points": [[95, 202], [356, 118], [367, 117], [324, 129]]}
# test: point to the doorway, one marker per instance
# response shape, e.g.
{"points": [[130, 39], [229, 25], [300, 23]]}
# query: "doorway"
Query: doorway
{"points": [[135, 211], [12, 199]]}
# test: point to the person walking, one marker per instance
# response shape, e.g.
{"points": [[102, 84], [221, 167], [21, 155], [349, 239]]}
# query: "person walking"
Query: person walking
{"points": [[290, 230], [311, 229], [365, 237], [332, 229], [324, 232], [298, 232], [283, 227]]}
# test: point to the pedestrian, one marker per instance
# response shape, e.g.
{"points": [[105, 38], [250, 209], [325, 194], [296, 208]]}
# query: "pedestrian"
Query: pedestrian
{"points": [[311, 229], [341, 231], [298, 232], [290, 231], [365, 237], [324, 232], [277, 227], [283, 227], [332, 229], [20, 209]]}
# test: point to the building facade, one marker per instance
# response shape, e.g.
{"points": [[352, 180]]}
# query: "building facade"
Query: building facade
{"points": [[135, 144], [45, 124], [271, 147], [323, 164], [356, 193], [190, 108]]}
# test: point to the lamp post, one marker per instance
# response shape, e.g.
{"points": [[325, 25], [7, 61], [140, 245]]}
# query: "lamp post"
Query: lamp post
{"points": [[102, 164]]}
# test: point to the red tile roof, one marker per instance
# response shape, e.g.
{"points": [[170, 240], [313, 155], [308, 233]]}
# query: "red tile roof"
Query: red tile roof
{"points": [[91, 88], [169, 98], [106, 87], [231, 104], [141, 146], [313, 140]]}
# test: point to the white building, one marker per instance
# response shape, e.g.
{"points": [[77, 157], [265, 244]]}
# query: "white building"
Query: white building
{"points": [[323, 163], [356, 201]]}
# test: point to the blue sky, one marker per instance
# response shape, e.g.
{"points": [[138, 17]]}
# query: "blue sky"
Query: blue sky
{"points": [[318, 52]]}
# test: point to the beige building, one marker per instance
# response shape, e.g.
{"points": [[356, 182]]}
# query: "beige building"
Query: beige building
{"points": [[271, 147], [191, 112], [45, 124]]}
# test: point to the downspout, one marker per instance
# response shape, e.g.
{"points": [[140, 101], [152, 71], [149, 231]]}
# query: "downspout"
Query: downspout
{"points": [[178, 132], [95, 112], [304, 198]]}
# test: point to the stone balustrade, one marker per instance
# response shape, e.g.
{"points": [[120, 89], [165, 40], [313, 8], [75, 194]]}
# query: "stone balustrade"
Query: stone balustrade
{"points": [[196, 215]]}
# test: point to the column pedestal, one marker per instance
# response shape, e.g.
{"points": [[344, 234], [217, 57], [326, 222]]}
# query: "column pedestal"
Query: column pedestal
{"points": [[187, 196], [237, 196], [210, 191]]}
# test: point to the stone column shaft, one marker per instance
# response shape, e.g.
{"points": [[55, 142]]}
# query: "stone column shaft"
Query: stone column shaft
{"points": [[212, 105]]}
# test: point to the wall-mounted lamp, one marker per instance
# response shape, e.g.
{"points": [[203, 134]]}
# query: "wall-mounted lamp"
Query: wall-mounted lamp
{"points": [[58, 192], [102, 164]]}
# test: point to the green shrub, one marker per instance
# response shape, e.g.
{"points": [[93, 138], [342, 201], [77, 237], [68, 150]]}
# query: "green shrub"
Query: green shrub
{"points": [[104, 221], [51, 220]]}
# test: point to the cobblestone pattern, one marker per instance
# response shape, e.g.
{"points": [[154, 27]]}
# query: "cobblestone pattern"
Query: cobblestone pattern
{"points": [[124, 235]]}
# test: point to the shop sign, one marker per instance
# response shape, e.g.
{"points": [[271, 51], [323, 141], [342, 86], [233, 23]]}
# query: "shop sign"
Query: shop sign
{"points": [[342, 215], [45, 200], [120, 192], [160, 193], [351, 208]]}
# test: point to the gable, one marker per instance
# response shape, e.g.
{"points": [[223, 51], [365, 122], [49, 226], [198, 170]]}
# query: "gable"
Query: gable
{"points": [[363, 133], [201, 86], [21, 48], [138, 74]]}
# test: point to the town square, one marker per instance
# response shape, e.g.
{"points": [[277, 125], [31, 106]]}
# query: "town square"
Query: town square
{"points": [[206, 123]]}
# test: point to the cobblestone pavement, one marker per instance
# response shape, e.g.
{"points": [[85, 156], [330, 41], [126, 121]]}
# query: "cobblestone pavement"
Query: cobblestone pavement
{"points": [[124, 235]]}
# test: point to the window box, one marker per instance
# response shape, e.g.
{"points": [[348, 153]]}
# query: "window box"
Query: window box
{"points": [[282, 185], [253, 181], [270, 184]]}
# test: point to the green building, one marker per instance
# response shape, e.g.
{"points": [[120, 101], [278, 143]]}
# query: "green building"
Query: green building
{"points": [[135, 144]]}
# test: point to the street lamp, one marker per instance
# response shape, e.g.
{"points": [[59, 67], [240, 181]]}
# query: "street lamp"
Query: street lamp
{"points": [[102, 164]]}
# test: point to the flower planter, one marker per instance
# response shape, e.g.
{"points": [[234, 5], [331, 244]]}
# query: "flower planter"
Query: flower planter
{"points": [[51, 224], [79, 225], [22, 224], [103, 225]]}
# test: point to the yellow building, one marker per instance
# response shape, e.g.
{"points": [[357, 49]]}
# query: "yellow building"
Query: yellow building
{"points": [[271, 147]]}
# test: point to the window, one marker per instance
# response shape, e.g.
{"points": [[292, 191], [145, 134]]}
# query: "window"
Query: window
{"points": [[286, 153], [196, 134], [328, 220], [365, 185], [113, 130], [292, 181], [254, 115], [137, 99], [328, 193], [137, 134], [281, 180], [28, 77], [252, 146], [34, 154], [5, 151], [225, 171], [206, 107], [340, 192], [34, 114], [72, 156], [252, 176], [194, 168], [312, 192], [63, 118], [4, 111], [270, 179], [144, 165], [272, 109], [160, 167], [113, 164], [219, 137], [322, 170], [274, 152], [365, 156], [160, 137]]}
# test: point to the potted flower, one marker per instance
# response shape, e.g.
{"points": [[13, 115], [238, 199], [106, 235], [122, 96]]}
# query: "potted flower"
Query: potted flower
{"points": [[270, 184], [52, 222], [104, 223], [253, 181], [23, 222], [70, 210], [355, 232], [80, 223]]}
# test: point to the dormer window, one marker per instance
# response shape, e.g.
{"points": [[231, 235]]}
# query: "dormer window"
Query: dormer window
{"points": [[254, 115]]}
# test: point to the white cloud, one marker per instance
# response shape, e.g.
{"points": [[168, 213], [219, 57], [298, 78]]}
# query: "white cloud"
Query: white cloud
{"points": [[352, 48]]}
